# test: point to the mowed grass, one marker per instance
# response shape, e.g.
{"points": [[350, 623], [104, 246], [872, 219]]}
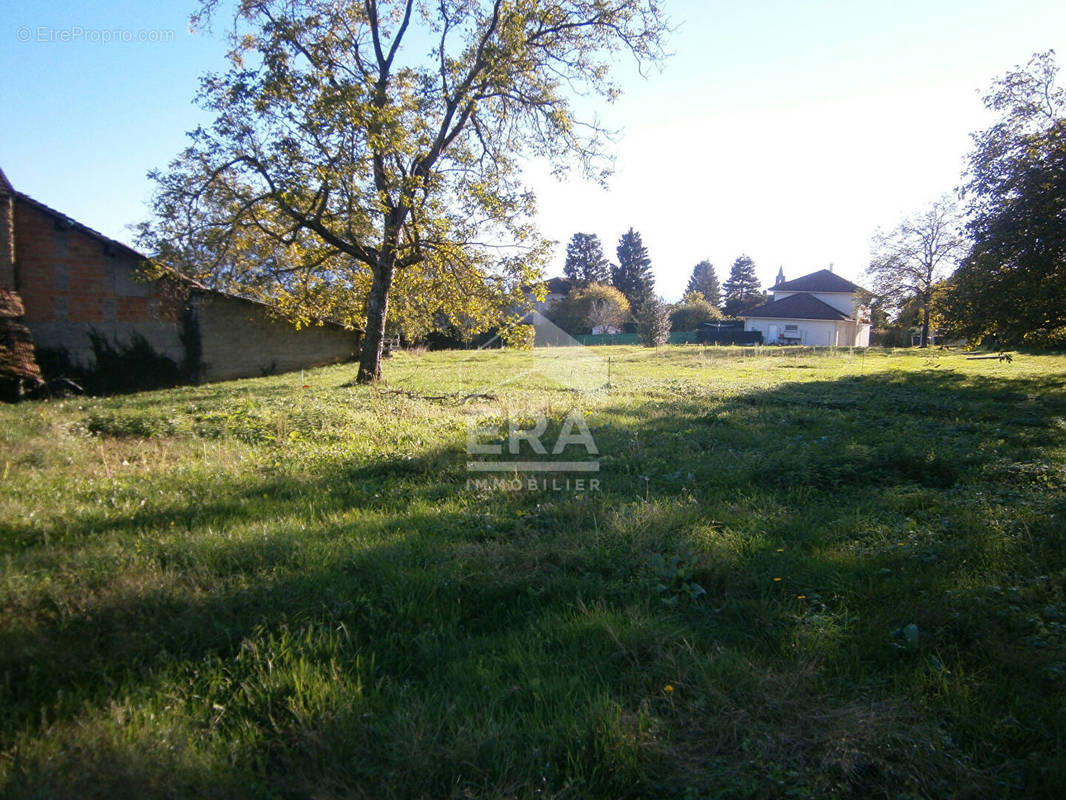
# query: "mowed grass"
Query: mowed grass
{"points": [[257, 589]]}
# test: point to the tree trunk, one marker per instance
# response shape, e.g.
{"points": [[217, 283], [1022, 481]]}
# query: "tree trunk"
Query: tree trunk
{"points": [[377, 309], [925, 326]]}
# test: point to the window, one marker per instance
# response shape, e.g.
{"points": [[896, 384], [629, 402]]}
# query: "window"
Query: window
{"points": [[792, 327]]}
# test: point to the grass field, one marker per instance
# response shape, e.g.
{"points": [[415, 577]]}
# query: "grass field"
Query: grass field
{"points": [[802, 574]]}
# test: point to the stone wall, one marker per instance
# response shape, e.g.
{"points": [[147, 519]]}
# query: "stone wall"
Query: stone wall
{"points": [[242, 338]]}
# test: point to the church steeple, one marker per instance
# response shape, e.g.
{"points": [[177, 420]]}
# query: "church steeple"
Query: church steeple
{"points": [[780, 276]]}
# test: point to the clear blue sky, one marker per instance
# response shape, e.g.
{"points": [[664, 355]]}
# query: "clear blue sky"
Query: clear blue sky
{"points": [[786, 130]]}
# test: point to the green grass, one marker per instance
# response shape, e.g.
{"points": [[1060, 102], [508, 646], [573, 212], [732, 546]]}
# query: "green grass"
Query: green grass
{"points": [[255, 589]]}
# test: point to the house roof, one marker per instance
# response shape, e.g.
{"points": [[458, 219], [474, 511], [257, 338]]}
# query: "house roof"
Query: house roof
{"points": [[821, 281], [5, 184], [558, 285], [108, 242], [796, 306]]}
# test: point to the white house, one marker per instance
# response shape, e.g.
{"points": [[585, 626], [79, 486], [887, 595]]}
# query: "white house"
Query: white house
{"points": [[558, 288], [819, 310]]}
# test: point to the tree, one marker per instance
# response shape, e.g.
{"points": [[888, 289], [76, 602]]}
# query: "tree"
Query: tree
{"points": [[1010, 283], [361, 168], [907, 261], [653, 322], [692, 312], [742, 290], [585, 263], [705, 281], [587, 308], [633, 276]]}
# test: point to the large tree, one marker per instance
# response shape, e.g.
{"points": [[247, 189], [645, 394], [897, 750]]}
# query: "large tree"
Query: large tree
{"points": [[585, 262], [907, 261], [358, 167], [633, 276], [742, 289], [705, 281], [1010, 284]]}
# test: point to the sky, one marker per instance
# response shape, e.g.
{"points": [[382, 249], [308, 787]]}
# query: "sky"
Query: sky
{"points": [[788, 131]]}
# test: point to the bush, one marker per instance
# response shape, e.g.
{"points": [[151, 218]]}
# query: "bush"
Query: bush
{"points": [[1046, 338], [653, 323], [593, 306], [893, 336], [693, 310]]}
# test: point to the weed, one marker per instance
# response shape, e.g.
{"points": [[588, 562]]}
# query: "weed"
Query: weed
{"points": [[674, 579]]}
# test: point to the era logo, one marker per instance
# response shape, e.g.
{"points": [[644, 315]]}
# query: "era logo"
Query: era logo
{"points": [[574, 431]]}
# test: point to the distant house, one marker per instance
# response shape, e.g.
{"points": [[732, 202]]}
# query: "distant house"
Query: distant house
{"points": [[79, 291], [558, 288], [821, 309]]}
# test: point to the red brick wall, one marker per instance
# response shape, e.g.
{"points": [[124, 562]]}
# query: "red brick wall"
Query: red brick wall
{"points": [[133, 309], [71, 286], [59, 261], [7, 240], [73, 283], [33, 254]]}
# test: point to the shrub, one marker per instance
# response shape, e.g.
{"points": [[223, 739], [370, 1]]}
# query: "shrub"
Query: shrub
{"points": [[653, 323], [590, 307], [693, 310]]}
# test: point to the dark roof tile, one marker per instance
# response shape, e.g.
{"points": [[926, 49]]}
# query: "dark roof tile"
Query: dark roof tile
{"points": [[821, 281], [796, 306], [558, 285]]}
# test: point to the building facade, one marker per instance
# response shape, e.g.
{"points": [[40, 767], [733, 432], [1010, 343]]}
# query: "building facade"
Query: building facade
{"points": [[818, 310], [81, 290]]}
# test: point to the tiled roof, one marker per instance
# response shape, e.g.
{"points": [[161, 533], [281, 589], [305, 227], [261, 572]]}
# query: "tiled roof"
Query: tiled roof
{"points": [[558, 286], [796, 306], [821, 281]]}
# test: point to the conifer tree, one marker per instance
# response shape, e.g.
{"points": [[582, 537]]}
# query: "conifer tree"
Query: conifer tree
{"points": [[633, 276], [705, 281], [653, 322], [743, 290], [585, 263]]}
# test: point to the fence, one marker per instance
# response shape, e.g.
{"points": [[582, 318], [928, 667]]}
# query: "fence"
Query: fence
{"points": [[677, 337]]}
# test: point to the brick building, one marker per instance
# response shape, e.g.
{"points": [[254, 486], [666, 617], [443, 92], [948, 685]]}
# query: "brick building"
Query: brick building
{"points": [[76, 284]]}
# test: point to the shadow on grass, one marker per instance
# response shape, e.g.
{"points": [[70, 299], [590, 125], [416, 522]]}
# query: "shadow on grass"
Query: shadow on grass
{"points": [[506, 641]]}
